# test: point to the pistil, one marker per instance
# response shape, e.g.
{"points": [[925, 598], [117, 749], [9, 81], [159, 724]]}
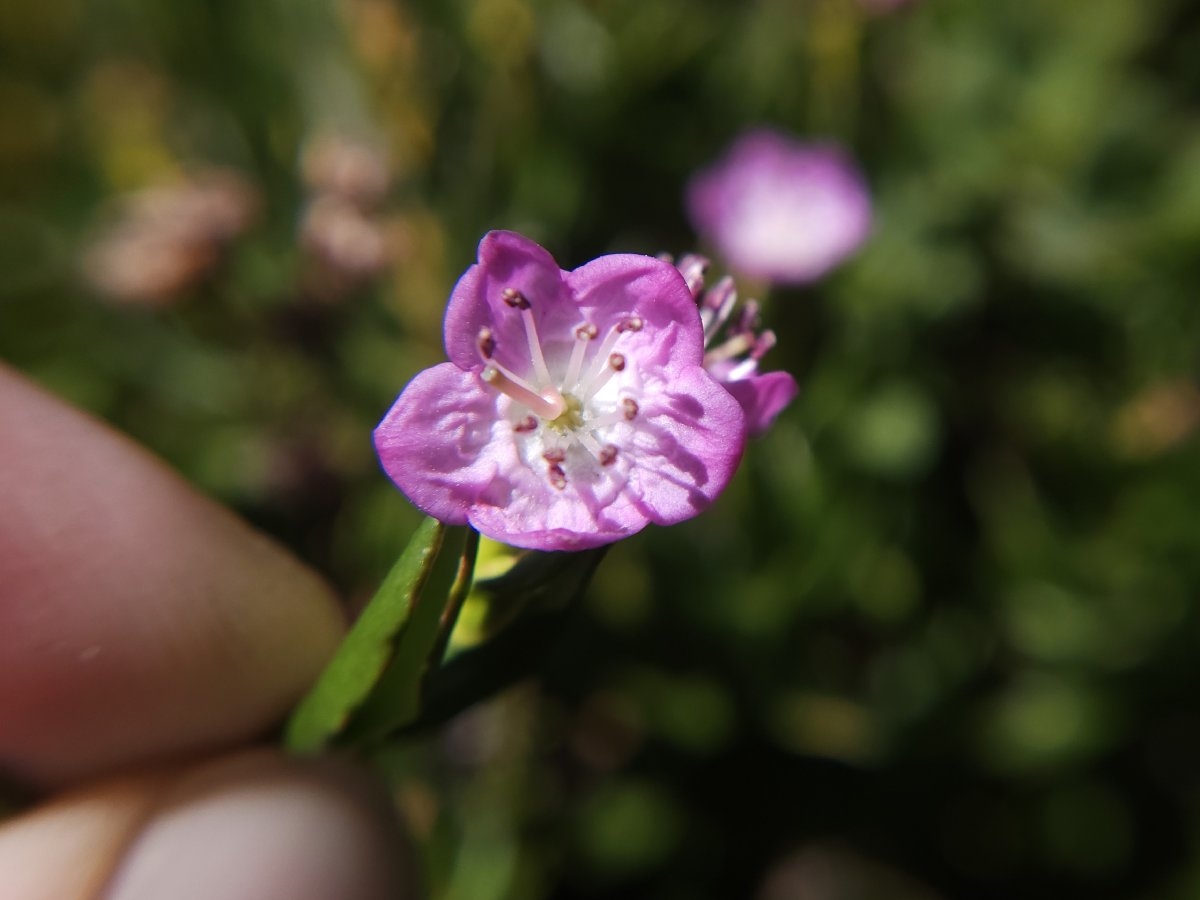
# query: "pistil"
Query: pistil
{"points": [[505, 382]]}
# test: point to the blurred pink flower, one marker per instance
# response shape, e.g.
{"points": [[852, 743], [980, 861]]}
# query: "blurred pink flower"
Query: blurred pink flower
{"points": [[575, 408], [779, 209]]}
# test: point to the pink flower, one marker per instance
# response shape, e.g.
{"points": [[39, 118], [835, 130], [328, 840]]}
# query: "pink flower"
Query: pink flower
{"points": [[575, 408], [779, 209], [734, 345]]}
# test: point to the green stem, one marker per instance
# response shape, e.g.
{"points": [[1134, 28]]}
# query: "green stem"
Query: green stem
{"points": [[459, 592]]}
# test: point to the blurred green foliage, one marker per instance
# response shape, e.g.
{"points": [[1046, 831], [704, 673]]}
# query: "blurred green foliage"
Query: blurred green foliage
{"points": [[941, 636]]}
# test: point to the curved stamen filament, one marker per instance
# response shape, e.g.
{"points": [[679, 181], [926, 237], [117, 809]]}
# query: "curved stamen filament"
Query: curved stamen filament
{"points": [[535, 346], [735, 346], [584, 335], [605, 354], [627, 411], [614, 364], [590, 444], [717, 307]]}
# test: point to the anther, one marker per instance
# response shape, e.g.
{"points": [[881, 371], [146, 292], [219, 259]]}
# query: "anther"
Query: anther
{"points": [[558, 478], [514, 298], [765, 342], [630, 406], [584, 334], [526, 425], [486, 342], [717, 306], [747, 317], [692, 268], [633, 323], [555, 455], [608, 454], [617, 362]]}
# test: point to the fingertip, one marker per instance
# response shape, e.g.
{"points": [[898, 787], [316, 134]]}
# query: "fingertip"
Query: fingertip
{"points": [[260, 825], [138, 619], [248, 826]]}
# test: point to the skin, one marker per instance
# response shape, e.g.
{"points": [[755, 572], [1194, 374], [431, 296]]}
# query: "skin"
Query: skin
{"points": [[148, 638]]}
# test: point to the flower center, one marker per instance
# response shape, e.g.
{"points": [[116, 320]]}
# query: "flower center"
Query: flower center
{"points": [[571, 417], [573, 414]]}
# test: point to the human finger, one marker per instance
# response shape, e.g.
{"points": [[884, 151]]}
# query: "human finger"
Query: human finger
{"points": [[138, 619], [243, 827]]}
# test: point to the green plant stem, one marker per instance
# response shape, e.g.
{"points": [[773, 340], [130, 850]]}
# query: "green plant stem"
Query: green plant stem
{"points": [[459, 592]]}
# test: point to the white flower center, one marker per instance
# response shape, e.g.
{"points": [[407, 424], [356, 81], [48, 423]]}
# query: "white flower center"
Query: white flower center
{"points": [[574, 412]]}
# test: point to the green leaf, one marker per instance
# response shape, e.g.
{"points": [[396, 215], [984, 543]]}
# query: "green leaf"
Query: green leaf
{"points": [[395, 700], [361, 659]]}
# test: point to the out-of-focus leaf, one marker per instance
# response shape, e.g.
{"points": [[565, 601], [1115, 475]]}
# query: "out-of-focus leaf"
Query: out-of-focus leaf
{"points": [[364, 654], [395, 699]]}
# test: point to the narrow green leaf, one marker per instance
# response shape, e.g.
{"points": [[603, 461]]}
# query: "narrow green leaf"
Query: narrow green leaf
{"points": [[395, 700], [363, 655]]}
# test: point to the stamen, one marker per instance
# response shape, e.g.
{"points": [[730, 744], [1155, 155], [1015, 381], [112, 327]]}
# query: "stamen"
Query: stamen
{"points": [[744, 369], [616, 363], [584, 334], [590, 444], [609, 418], [633, 323], [517, 300], [514, 298], [607, 345], [735, 346], [719, 301], [607, 455], [526, 425], [747, 317], [558, 478], [749, 365], [508, 384], [486, 342], [631, 408], [765, 342], [692, 268]]}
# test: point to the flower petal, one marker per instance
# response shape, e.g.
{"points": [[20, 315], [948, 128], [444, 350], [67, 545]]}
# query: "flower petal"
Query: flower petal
{"points": [[763, 397], [689, 441], [434, 441], [612, 288], [506, 260]]}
